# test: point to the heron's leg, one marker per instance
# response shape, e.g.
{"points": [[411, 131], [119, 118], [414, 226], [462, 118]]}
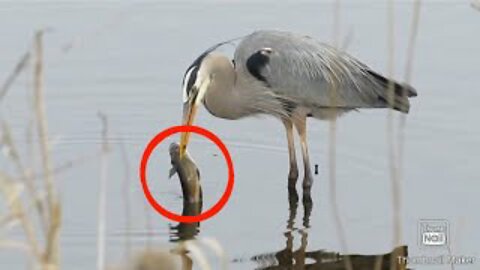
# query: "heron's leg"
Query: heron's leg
{"points": [[293, 173], [301, 125]]}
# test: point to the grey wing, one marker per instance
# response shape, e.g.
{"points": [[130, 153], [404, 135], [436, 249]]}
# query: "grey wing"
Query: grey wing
{"points": [[306, 71]]}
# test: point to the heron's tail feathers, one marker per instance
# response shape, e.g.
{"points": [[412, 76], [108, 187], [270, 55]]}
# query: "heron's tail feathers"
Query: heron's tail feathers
{"points": [[398, 100]]}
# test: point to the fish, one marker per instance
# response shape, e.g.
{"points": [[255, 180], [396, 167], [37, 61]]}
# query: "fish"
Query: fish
{"points": [[187, 172]]}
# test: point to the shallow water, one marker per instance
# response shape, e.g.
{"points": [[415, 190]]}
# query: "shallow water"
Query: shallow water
{"points": [[127, 60]]}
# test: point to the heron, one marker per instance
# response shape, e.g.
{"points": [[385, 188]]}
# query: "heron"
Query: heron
{"points": [[291, 77]]}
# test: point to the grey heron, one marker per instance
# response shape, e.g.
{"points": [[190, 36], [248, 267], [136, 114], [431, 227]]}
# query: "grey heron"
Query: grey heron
{"points": [[291, 77]]}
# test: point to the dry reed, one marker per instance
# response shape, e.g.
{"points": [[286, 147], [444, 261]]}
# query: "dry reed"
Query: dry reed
{"points": [[332, 151], [396, 150], [42, 198], [126, 195], [24, 60], [392, 155]]}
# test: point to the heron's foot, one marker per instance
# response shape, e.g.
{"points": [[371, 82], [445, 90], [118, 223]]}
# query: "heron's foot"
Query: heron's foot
{"points": [[292, 177]]}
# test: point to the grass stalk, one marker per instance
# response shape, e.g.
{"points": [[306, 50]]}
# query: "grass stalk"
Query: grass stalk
{"points": [[126, 194], [332, 146], [390, 123], [25, 178], [392, 155], [414, 25], [24, 60], [18, 211], [52, 205], [40, 111]]}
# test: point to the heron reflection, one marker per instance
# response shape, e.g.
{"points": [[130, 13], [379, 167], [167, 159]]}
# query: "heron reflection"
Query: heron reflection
{"points": [[300, 258], [186, 231]]}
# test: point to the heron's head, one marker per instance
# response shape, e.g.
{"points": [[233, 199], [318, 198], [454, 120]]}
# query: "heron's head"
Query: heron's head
{"points": [[210, 71]]}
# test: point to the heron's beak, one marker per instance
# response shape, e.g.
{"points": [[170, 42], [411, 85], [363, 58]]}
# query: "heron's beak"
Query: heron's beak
{"points": [[189, 111]]}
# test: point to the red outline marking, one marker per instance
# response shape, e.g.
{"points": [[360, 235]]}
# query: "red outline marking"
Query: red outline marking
{"points": [[143, 178]]}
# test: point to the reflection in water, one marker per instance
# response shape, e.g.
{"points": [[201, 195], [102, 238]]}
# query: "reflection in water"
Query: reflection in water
{"points": [[186, 231], [178, 257], [300, 258]]}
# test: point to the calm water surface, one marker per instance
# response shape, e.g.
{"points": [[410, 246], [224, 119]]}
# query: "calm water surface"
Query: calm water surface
{"points": [[127, 60]]}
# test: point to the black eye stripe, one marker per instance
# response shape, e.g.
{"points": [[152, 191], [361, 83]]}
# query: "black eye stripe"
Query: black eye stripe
{"points": [[195, 66], [191, 79]]}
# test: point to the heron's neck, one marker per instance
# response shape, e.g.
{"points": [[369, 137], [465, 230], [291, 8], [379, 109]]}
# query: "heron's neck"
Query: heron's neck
{"points": [[229, 102]]}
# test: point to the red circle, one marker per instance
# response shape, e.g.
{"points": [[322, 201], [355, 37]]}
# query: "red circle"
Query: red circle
{"points": [[143, 178]]}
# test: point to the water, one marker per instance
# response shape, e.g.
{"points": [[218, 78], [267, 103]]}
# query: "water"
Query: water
{"points": [[127, 61]]}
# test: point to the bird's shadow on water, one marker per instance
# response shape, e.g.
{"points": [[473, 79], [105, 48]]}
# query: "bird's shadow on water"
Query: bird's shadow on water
{"points": [[290, 257]]}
